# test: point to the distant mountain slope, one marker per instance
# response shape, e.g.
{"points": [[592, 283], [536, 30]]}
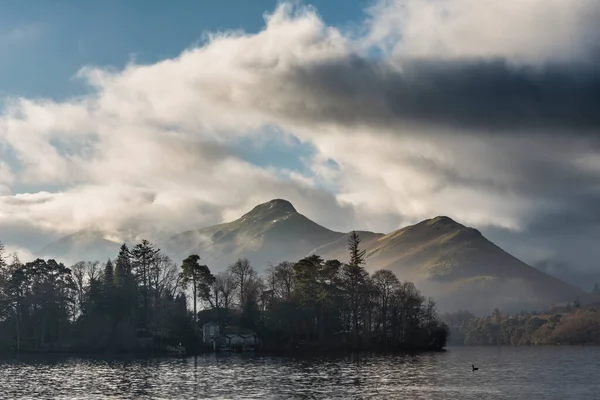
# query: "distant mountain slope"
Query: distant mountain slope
{"points": [[87, 245], [271, 232], [460, 267], [338, 249]]}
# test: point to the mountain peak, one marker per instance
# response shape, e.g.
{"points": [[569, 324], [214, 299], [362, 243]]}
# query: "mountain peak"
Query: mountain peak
{"points": [[273, 208], [442, 220], [280, 205], [445, 225]]}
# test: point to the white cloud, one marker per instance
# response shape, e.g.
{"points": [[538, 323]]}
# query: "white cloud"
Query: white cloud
{"points": [[151, 150], [518, 30]]}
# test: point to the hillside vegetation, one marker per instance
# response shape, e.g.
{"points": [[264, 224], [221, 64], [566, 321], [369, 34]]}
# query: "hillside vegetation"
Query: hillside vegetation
{"points": [[570, 325]]}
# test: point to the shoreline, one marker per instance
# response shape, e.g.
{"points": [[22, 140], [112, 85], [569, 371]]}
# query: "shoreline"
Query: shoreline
{"points": [[167, 354]]}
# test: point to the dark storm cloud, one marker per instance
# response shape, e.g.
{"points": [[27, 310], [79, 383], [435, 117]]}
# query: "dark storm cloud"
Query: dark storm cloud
{"points": [[578, 211], [537, 169], [469, 94]]}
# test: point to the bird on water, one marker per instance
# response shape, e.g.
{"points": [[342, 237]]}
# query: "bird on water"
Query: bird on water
{"points": [[474, 369]]}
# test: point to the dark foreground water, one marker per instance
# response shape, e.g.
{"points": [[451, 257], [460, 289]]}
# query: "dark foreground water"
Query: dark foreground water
{"points": [[505, 373]]}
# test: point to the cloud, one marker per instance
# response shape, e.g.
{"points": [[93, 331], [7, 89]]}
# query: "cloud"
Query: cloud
{"points": [[495, 132], [482, 95], [21, 34], [527, 31]]}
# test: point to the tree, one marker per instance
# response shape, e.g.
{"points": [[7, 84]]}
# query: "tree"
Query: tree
{"points": [[316, 288], [284, 279], [92, 269], [109, 275], [109, 305], [357, 256], [79, 270], [4, 280], [123, 267], [143, 257], [251, 316], [386, 284], [226, 285], [46, 306], [11, 295], [46, 296], [3, 263], [200, 279], [125, 286], [243, 274], [164, 276], [354, 278]]}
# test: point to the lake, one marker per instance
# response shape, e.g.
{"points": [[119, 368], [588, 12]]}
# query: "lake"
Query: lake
{"points": [[505, 373]]}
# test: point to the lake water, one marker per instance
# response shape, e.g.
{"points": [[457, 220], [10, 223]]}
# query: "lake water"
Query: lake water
{"points": [[505, 373]]}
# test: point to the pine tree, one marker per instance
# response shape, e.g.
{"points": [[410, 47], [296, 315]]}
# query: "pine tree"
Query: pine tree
{"points": [[123, 267], [357, 256], [126, 290], [199, 277], [354, 277], [143, 257], [109, 275]]}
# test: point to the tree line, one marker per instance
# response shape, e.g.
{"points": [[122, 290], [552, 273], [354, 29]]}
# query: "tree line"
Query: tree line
{"points": [[141, 299], [570, 324]]}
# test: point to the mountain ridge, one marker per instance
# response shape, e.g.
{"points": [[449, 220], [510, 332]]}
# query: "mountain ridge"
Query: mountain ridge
{"points": [[446, 259], [91, 242]]}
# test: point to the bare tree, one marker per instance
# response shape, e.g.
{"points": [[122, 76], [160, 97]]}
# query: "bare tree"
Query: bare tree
{"points": [[226, 285], [164, 276], [79, 272], [386, 284], [270, 279], [284, 279], [93, 270], [243, 273]]}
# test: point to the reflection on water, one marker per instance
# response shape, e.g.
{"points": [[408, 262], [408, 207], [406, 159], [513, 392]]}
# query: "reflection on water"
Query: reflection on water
{"points": [[515, 373]]}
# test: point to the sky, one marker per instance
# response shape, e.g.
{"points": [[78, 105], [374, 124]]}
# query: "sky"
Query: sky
{"points": [[148, 118]]}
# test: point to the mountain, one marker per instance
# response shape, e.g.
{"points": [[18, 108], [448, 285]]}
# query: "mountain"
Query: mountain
{"points": [[459, 267], [453, 263], [270, 232], [86, 245]]}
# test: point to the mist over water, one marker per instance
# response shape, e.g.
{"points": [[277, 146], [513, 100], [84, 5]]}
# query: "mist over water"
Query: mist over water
{"points": [[504, 372]]}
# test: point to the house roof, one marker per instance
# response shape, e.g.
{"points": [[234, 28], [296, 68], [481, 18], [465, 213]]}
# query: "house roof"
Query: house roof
{"points": [[232, 330]]}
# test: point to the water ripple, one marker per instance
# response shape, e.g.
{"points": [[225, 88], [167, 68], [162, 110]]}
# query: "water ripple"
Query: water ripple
{"points": [[516, 373]]}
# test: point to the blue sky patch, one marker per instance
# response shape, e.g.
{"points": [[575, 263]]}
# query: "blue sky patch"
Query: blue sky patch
{"points": [[273, 148], [44, 43]]}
